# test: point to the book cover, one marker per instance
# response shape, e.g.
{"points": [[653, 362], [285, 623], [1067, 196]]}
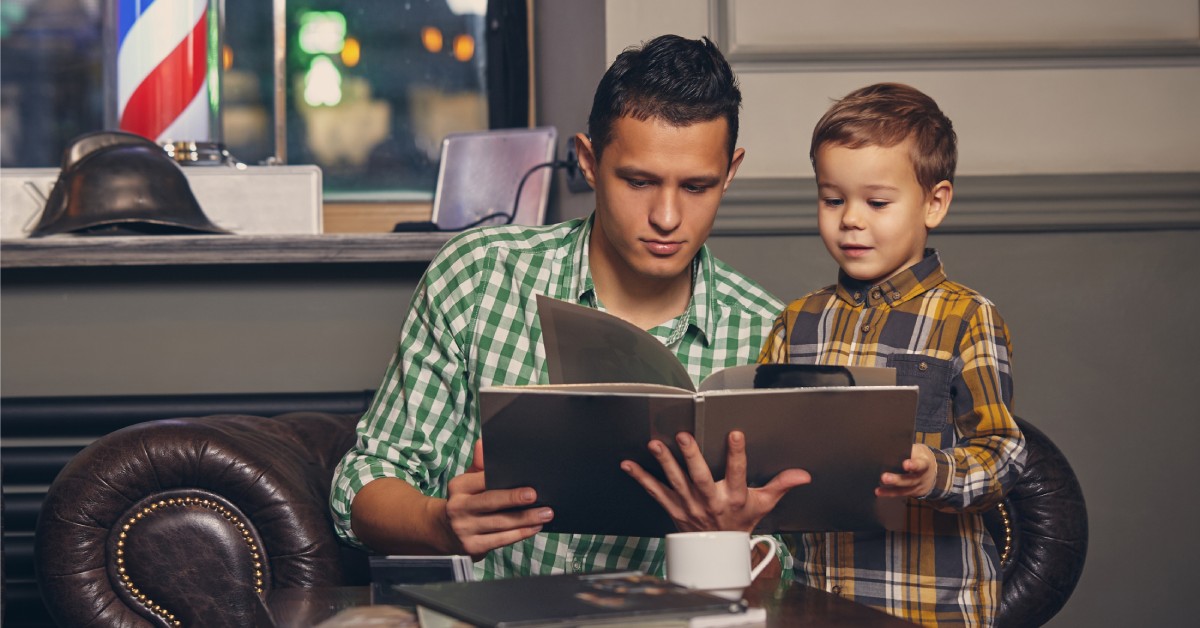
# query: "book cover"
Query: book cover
{"points": [[614, 387], [389, 570], [565, 600]]}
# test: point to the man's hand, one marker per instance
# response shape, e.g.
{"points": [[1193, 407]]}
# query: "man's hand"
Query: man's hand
{"points": [[392, 517], [696, 502], [920, 472], [478, 520]]}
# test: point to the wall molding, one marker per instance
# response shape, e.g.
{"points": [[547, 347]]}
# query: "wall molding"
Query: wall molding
{"points": [[749, 57], [991, 204]]}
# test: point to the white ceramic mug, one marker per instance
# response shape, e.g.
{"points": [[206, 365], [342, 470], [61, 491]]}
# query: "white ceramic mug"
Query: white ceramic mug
{"points": [[718, 562]]}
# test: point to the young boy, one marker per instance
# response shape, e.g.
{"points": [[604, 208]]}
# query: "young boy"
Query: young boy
{"points": [[884, 158]]}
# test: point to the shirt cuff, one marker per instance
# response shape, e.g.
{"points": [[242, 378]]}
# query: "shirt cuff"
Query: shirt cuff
{"points": [[944, 482]]}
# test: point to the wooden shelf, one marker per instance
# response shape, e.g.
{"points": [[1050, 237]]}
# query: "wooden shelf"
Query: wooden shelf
{"points": [[76, 251]]}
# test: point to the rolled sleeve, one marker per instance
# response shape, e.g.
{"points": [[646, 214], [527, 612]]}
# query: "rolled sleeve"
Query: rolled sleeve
{"points": [[418, 427]]}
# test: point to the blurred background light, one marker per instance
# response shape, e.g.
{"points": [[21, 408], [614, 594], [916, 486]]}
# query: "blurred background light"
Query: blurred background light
{"points": [[351, 52], [431, 38], [464, 47], [322, 83], [322, 32]]}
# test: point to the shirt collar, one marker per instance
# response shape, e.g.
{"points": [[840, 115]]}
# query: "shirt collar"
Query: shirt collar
{"points": [[699, 313], [908, 283]]}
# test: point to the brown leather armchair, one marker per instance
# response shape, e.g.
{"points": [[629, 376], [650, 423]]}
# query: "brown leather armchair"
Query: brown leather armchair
{"points": [[1041, 529], [193, 521]]}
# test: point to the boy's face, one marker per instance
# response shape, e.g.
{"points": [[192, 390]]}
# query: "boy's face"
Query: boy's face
{"points": [[873, 215], [657, 187]]}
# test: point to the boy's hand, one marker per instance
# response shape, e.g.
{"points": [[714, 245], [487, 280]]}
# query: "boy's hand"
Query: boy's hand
{"points": [[920, 472]]}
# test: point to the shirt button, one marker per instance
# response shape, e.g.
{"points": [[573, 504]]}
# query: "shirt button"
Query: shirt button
{"points": [[866, 328], [895, 295], [922, 367], [837, 589], [577, 565], [857, 296], [875, 294]]}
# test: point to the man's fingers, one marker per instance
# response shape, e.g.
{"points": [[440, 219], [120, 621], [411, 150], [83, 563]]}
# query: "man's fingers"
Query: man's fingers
{"points": [[735, 466], [478, 546], [501, 522], [670, 467], [477, 457], [494, 501], [469, 494], [697, 466], [655, 488], [785, 481]]}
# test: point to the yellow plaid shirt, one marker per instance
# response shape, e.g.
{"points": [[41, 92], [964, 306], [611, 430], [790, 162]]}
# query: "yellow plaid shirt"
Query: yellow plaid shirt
{"points": [[950, 342]]}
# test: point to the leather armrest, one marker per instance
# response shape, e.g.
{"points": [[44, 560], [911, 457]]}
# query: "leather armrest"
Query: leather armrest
{"points": [[193, 520], [1043, 525]]}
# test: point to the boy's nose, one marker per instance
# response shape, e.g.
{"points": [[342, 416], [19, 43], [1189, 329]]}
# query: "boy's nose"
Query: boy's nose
{"points": [[852, 217]]}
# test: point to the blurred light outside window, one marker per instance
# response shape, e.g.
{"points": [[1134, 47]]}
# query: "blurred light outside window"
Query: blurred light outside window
{"points": [[372, 86]]}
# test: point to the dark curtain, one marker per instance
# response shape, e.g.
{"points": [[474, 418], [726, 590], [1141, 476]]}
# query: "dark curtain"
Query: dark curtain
{"points": [[507, 64]]}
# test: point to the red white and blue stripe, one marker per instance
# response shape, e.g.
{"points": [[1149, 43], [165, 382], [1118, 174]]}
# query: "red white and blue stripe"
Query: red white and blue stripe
{"points": [[162, 69]]}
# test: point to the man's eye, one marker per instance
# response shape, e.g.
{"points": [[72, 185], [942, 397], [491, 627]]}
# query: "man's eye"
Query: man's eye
{"points": [[696, 189], [832, 202], [637, 183]]}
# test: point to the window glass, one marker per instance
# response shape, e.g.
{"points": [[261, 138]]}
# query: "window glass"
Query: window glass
{"points": [[372, 86]]}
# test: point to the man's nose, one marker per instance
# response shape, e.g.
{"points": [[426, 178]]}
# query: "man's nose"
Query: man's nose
{"points": [[666, 213]]}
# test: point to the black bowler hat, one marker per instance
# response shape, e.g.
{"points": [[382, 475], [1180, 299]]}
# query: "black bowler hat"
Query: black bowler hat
{"points": [[115, 183]]}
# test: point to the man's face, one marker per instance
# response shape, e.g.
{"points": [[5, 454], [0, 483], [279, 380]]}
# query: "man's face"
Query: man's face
{"points": [[658, 187], [873, 215]]}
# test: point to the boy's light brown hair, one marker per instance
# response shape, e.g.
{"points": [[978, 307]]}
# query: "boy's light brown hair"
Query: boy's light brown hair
{"points": [[886, 114]]}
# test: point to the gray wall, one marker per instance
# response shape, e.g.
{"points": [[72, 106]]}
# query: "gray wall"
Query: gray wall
{"points": [[1104, 334]]}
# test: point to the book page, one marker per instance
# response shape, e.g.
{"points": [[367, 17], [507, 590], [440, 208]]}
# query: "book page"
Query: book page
{"points": [[797, 376], [586, 346]]}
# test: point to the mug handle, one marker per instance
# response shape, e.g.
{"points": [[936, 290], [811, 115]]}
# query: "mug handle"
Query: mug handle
{"points": [[762, 564]]}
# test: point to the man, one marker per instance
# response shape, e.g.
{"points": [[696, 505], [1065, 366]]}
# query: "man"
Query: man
{"points": [[661, 154]]}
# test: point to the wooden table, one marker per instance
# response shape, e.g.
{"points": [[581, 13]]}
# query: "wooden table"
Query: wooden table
{"points": [[787, 604]]}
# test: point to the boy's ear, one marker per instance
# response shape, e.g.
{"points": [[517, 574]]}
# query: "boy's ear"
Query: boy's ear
{"points": [[937, 203], [586, 157]]}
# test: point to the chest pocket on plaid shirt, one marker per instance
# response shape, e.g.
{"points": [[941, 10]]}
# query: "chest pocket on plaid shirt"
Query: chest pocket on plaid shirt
{"points": [[932, 377]]}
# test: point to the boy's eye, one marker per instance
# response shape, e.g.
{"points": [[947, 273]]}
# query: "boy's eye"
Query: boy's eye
{"points": [[878, 204], [832, 202]]}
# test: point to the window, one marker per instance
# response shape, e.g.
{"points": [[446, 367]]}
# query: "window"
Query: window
{"points": [[372, 86]]}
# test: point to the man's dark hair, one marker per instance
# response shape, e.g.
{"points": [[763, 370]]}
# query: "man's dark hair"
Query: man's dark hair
{"points": [[680, 81]]}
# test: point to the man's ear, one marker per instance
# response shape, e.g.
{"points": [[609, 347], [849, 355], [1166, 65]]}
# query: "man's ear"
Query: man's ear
{"points": [[586, 157], [738, 155], [937, 203]]}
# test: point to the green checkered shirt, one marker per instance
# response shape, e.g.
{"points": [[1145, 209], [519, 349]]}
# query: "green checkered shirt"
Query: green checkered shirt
{"points": [[473, 323]]}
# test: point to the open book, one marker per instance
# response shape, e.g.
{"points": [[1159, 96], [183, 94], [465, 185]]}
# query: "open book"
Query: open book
{"points": [[614, 387]]}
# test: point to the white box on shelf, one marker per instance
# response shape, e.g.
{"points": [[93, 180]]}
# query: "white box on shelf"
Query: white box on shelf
{"points": [[259, 200]]}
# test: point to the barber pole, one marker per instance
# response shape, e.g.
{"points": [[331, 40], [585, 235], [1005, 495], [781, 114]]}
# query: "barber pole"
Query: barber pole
{"points": [[163, 68]]}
